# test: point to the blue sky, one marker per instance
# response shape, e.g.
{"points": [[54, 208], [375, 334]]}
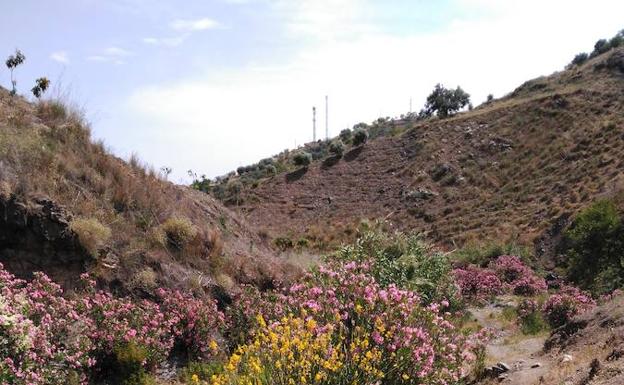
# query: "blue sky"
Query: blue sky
{"points": [[210, 85]]}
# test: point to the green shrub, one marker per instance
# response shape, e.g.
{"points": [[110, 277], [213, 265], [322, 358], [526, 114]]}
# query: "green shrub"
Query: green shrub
{"points": [[178, 232], [579, 59], [407, 262], [91, 234], [302, 158], [128, 367], [533, 323], [482, 254], [594, 244], [360, 136], [346, 135], [303, 243], [283, 243], [601, 47], [337, 148]]}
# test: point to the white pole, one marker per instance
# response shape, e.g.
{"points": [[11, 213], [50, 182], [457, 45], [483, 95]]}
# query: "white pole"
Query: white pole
{"points": [[314, 124], [326, 118]]}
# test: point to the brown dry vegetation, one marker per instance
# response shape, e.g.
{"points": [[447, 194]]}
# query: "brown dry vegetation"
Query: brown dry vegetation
{"points": [[112, 210], [508, 170]]}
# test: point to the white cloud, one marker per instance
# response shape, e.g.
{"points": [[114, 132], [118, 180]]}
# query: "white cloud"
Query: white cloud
{"points": [[166, 41], [117, 52], [111, 54], [235, 117], [186, 25], [60, 56]]}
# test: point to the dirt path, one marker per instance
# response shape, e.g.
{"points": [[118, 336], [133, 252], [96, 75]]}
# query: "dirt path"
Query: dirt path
{"points": [[511, 347]]}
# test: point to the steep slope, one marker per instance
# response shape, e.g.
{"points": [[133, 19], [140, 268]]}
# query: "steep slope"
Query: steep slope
{"points": [[68, 206], [514, 167], [589, 349]]}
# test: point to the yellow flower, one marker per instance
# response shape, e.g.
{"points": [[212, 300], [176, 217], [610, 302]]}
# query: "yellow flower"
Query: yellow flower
{"points": [[195, 379], [260, 320]]}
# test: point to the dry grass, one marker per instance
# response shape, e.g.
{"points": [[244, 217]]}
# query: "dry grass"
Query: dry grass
{"points": [[46, 150], [91, 233]]}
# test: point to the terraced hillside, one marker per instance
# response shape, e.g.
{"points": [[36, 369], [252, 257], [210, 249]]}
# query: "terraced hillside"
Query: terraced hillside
{"points": [[510, 168]]}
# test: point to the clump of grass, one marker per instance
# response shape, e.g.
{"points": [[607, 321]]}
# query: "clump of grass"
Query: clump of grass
{"points": [[533, 323], [91, 233], [145, 279], [176, 232]]}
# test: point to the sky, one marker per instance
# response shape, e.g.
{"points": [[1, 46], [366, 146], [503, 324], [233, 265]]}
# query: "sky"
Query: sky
{"points": [[210, 85]]}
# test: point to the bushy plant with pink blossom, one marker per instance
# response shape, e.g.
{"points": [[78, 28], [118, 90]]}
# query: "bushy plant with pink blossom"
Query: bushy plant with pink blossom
{"points": [[562, 306], [197, 324], [419, 343], [477, 284], [42, 338], [520, 278], [47, 338]]}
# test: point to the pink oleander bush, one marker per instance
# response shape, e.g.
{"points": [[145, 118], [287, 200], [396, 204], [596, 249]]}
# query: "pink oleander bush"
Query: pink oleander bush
{"points": [[519, 278], [570, 301], [477, 284], [46, 338], [42, 337], [198, 325], [506, 274]]}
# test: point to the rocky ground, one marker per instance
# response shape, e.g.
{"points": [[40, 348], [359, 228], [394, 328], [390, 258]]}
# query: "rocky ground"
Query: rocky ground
{"points": [[587, 351]]}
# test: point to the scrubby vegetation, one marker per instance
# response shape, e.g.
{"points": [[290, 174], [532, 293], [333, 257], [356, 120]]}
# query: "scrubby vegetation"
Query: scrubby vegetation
{"points": [[302, 159], [601, 46], [594, 245], [377, 312]]}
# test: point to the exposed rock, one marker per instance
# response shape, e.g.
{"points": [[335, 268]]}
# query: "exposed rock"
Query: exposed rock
{"points": [[419, 193], [35, 236], [440, 170], [567, 358]]}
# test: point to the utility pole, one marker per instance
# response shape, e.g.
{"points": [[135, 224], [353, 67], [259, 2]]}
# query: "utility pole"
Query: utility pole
{"points": [[326, 119], [314, 124]]}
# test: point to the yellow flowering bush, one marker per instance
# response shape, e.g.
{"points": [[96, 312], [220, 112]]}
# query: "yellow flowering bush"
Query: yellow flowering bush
{"points": [[288, 352]]}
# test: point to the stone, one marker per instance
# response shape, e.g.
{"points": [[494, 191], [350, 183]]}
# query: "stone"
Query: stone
{"points": [[536, 365]]}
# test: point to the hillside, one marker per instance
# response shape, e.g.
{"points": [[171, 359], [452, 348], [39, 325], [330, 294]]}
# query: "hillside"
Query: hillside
{"points": [[510, 168], [69, 206]]}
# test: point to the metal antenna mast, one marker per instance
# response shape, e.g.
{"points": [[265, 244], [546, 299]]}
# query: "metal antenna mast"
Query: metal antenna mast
{"points": [[326, 119], [314, 124]]}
